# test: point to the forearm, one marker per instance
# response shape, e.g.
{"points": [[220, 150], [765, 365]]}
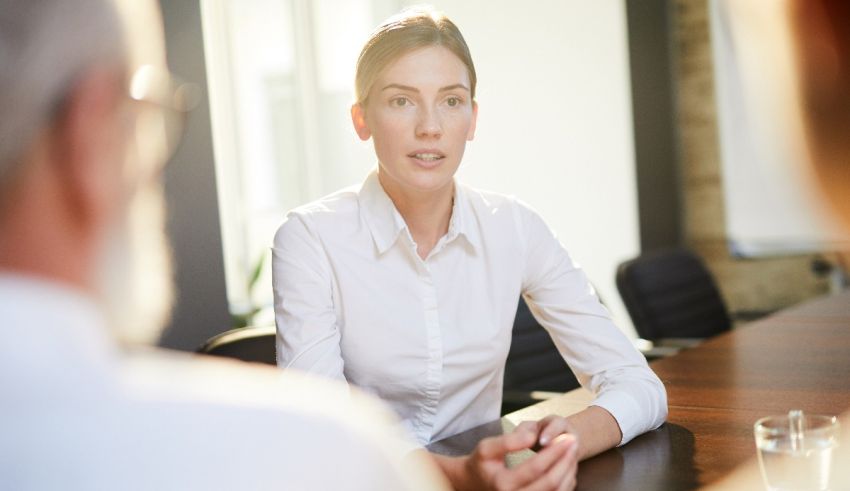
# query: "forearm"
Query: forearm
{"points": [[597, 431]]}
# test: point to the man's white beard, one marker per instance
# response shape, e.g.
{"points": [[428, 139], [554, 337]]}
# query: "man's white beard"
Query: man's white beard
{"points": [[134, 278]]}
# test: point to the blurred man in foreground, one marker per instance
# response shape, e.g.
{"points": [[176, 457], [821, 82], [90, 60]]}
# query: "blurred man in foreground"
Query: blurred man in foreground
{"points": [[89, 116]]}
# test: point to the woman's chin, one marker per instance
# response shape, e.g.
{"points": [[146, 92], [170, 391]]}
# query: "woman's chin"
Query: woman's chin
{"points": [[418, 180]]}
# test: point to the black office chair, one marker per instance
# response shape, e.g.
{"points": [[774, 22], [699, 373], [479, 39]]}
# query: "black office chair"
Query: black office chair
{"points": [[254, 344], [672, 298], [534, 369]]}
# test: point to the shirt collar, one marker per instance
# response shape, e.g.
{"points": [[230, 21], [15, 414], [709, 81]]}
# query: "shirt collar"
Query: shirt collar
{"points": [[386, 223], [464, 222], [380, 214]]}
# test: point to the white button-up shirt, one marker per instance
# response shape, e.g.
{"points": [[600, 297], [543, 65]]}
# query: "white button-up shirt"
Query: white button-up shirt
{"points": [[354, 302], [78, 413]]}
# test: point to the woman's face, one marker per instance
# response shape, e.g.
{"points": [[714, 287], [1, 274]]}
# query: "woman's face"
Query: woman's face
{"points": [[419, 115]]}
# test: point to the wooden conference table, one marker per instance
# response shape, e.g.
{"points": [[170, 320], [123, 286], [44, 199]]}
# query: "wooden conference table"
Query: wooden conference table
{"points": [[798, 358]]}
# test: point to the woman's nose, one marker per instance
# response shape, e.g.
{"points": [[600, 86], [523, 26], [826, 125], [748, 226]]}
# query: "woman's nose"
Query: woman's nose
{"points": [[428, 124]]}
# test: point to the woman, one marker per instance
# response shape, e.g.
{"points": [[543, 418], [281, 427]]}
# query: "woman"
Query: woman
{"points": [[407, 286]]}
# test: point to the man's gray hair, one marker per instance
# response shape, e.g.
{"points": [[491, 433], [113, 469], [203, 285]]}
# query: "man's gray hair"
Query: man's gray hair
{"points": [[45, 45]]}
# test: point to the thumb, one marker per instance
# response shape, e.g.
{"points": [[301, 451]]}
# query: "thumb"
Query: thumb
{"points": [[498, 446]]}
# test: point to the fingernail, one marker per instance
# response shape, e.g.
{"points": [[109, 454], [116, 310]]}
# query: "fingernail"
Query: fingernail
{"points": [[544, 439]]}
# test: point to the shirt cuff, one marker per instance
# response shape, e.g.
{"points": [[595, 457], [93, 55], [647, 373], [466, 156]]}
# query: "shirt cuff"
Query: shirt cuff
{"points": [[625, 410]]}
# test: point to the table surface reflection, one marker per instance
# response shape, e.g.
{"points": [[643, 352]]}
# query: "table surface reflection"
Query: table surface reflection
{"points": [[796, 359]]}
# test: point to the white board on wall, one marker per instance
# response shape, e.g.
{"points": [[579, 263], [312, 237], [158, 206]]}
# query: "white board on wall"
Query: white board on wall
{"points": [[773, 206]]}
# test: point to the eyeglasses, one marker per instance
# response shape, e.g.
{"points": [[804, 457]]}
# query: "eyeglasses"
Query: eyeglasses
{"points": [[161, 120]]}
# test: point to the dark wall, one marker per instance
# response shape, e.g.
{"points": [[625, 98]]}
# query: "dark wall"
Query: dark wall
{"points": [[190, 186], [653, 96]]}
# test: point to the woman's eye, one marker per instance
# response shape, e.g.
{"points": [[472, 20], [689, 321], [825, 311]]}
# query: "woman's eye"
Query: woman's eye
{"points": [[453, 101], [400, 102]]}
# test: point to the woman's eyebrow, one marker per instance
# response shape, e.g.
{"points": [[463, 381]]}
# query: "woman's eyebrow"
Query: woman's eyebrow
{"points": [[414, 89], [453, 87], [401, 87]]}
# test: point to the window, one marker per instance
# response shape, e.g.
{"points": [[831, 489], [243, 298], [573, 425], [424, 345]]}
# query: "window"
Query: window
{"points": [[281, 74]]}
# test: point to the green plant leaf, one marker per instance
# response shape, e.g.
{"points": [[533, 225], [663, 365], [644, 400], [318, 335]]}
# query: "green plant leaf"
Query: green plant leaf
{"points": [[258, 269]]}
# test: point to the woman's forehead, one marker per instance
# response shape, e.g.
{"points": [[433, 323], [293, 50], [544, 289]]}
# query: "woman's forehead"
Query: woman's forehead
{"points": [[433, 64]]}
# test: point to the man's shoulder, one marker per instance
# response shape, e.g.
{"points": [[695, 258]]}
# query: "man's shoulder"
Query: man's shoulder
{"points": [[306, 429], [177, 421], [222, 383]]}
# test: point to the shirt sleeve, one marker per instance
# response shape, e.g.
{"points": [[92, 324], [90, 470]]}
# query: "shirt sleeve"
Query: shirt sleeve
{"points": [[308, 336], [603, 359]]}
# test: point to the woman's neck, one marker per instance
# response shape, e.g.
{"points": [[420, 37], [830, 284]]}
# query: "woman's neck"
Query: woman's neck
{"points": [[427, 213]]}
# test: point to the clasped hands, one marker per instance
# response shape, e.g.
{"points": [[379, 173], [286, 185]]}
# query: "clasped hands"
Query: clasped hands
{"points": [[552, 468]]}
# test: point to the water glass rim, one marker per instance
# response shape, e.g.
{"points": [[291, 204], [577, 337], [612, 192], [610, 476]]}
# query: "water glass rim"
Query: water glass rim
{"points": [[780, 424]]}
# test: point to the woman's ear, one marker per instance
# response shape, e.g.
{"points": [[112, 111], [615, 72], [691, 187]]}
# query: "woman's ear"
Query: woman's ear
{"points": [[471, 133], [358, 118]]}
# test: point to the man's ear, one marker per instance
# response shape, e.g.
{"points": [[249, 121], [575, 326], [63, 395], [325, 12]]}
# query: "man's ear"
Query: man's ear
{"points": [[471, 133], [89, 139], [358, 118]]}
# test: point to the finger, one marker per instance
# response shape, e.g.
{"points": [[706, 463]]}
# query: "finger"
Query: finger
{"points": [[552, 426], [561, 474], [529, 426], [498, 446], [570, 482], [532, 427], [537, 466]]}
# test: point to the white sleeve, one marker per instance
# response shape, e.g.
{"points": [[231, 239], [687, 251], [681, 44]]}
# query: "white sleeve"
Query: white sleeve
{"points": [[603, 359], [308, 334]]}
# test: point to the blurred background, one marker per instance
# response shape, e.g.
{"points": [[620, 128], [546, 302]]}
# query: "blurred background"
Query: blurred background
{"points": [[630, 125]]}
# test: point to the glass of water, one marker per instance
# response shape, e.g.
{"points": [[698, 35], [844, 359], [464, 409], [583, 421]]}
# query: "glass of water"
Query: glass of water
{"points": [[795, 450]]}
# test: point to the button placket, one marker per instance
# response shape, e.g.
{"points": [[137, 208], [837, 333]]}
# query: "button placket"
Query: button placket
{"points": [[434, 347]]}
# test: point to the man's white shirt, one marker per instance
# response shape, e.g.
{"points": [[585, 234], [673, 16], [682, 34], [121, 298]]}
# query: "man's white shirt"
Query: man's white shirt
{"points": [[78, 413]]}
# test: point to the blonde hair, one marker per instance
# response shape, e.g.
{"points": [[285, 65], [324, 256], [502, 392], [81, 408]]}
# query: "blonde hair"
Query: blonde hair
{"points": [[411, 29]]}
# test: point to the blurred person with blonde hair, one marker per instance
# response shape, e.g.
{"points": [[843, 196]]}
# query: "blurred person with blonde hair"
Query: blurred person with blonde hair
{"points": [[821, 37], [89, 116], [818, 98], [820, 32]]}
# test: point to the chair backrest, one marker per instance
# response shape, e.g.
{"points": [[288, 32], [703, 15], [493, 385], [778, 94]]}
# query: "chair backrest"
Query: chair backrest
{"points": [[255, 344], [534, 362], [671, 294]]}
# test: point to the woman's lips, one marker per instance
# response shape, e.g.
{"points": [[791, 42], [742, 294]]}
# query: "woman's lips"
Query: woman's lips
{"points": [[427, 158]]}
